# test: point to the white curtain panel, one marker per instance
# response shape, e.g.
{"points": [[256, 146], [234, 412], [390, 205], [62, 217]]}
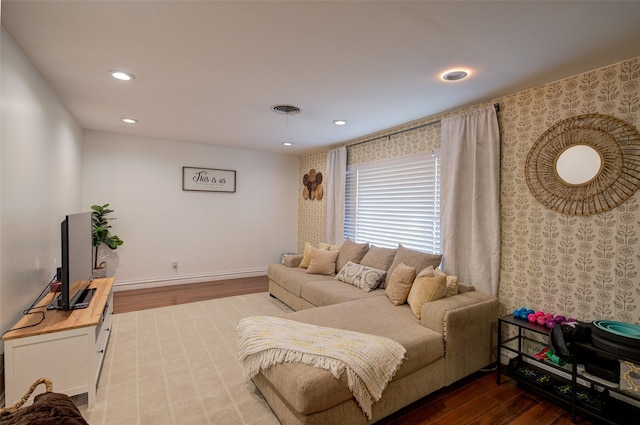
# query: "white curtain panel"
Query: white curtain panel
{"points": [[334, 193], [470, 198]]}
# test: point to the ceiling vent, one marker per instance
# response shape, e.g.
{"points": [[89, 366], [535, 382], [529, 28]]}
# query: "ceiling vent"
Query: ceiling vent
{"points": [[286, 109]]}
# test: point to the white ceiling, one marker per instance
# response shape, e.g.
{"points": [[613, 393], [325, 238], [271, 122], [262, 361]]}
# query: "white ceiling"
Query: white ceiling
{"points": [[210, 71]]}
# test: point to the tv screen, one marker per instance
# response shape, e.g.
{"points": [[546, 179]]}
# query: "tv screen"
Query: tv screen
{"points": [[77, 261]]}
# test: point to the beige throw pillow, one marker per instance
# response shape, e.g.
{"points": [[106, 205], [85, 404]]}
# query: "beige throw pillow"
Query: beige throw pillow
{"points": [[322, 261], [378, 258], [413, 258], [351, 251], [326, 246], [400, 284], [452, 282], [306, 255], [426, 289], [429, 271]]}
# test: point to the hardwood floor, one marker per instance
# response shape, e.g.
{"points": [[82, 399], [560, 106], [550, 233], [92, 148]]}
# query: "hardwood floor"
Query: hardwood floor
{"points": [[473, 400], [142, 299], [477, 399]]}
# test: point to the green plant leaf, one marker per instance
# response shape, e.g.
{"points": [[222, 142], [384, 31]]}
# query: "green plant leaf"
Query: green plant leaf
{"points": [[100, 229]]}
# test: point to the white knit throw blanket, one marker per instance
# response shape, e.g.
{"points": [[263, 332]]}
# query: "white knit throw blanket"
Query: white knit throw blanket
{"points": [[370, 361]]}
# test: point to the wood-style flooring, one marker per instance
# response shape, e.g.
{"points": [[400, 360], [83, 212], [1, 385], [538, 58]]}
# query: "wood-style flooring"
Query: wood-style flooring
{"points": [[142, 299], [473, 400]]}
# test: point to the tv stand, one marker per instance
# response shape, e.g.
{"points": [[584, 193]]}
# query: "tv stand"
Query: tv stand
{"points": [[68, 347]]}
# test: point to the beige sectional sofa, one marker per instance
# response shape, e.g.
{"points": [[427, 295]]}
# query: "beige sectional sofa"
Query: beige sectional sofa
{"points": [[445, 340]]}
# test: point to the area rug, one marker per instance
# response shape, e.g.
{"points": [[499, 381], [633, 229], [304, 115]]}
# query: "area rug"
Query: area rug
{"points": [[179, 365]]}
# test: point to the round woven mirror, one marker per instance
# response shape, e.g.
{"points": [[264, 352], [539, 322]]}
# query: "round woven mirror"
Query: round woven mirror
{"points": [[585, 165]]}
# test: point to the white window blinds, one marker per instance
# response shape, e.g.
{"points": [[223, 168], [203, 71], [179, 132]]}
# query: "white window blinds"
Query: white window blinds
{"points": [[391, 202]]}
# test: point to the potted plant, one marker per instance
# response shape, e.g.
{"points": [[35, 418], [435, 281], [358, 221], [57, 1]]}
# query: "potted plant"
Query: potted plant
{"points": [[101, 235]]}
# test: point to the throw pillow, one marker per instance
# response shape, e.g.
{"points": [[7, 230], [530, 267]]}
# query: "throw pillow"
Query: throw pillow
{"points": [[400, 284], [378, 258], [425, 289], [329, 247], [306, 255], [427, 272], [351, 251], [363, 277], [452, 282], [322, 261], [413, 258]]}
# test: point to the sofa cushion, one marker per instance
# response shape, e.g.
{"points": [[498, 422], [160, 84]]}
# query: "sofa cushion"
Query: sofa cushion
{"points": [[413, 258], [363, 277], [329, 247], [322, 292], [378, 258], [351, 251], [400, 284], [322, 261], [306, 255], [293, 279], [309, 389], [306, 388], [452, 281], [426, 289]]}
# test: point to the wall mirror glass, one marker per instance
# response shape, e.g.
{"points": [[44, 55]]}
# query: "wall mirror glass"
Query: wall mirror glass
{"points": [[585, 164], [579, 164]]}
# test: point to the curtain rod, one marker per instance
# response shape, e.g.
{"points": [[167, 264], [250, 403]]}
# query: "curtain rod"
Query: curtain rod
{"points": [[495, 105]]}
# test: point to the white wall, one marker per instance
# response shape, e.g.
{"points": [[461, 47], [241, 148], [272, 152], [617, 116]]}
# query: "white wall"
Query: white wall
{"points": [[40, 174], [50, 168], [212, 235]]}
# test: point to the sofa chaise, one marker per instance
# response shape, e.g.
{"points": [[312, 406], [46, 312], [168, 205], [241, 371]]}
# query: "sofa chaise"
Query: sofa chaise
{"points": [[447, 336]]}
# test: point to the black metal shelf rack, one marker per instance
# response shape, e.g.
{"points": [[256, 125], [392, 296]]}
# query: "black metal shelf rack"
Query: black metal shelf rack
{"points": [[562, 385]]}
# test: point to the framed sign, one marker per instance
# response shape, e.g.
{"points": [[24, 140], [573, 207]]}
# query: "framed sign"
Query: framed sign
{"points": [[208, 180]]}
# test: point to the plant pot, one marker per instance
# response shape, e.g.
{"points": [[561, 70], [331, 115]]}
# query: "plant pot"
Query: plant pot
{"points": [[100, 271]]}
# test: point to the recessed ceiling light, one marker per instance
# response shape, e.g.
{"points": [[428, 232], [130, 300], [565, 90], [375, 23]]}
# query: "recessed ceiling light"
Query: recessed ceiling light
{"points": [[130, 120], [455, 75], [123, 76], [287, 144], [339, 122]]}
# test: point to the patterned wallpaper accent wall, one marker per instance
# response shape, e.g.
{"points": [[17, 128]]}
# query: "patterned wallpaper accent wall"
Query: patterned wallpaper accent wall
{"points": [[584, 267], [421, 140], [312, 214]]}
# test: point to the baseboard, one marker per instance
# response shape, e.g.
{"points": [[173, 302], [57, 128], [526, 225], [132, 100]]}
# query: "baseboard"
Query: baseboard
{"points": [[128, 285]]}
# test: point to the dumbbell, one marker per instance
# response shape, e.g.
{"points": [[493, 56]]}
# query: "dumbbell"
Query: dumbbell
{"points": [[522, 313], [542, 318]]}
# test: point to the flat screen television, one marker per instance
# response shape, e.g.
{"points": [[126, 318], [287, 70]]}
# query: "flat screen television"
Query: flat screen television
{"points": [[77, 262]]}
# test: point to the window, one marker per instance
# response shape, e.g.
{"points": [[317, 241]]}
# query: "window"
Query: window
{"points": [[397, 201]]}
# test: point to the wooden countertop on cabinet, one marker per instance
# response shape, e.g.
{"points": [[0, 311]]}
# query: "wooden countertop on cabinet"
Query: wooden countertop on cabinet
{"points": [[58, 320]]}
